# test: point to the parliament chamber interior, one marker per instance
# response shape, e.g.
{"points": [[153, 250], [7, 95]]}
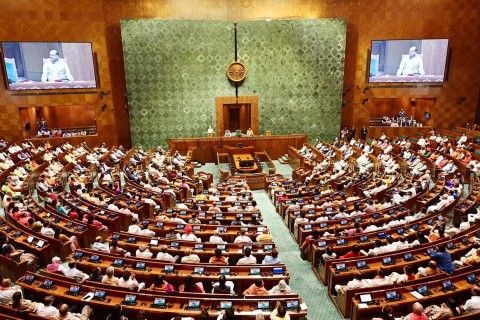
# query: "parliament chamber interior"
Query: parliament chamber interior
{"points": [[218, 159]]}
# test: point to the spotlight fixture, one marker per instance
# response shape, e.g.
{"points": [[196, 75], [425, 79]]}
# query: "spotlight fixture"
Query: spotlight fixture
{"points": [[364, 101]]}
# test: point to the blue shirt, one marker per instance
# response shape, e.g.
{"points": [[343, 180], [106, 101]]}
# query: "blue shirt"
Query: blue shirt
{"points": [[444, 261], [271, 260]]}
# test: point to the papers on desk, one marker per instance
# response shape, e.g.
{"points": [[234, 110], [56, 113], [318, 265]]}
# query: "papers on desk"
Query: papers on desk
{"points": [[303, 306], [416, 294], [362, 305], [88, 296]]}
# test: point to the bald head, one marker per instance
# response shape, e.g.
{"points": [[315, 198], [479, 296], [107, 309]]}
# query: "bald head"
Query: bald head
{"points": [[432, 264], [63, 310]]}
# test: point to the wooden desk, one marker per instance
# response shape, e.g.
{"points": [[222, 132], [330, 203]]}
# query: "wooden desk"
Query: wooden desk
{"points": [[176, 305], [206, 148], [239, 275], [244, 163]]}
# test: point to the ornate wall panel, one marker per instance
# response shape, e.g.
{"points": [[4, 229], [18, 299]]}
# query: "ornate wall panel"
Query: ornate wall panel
{"points": [[296, 69], [175, 69]]}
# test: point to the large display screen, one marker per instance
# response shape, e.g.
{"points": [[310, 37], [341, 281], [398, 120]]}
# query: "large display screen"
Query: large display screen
{"points": [[420, 60], [48, 65]]}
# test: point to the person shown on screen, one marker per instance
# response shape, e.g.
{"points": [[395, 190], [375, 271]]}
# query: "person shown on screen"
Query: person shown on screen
{"points": [[411, 64], [55, 70]]}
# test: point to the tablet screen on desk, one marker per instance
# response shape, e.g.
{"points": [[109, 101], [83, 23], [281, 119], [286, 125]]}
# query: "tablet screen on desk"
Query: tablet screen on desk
{"points": [[268, 247], [198, 246], [169, 268], [221, 247], [74, 289], [199, 270], [263, 305], [255, 271], [174, 245], [391, 294], [422, 289], [292, 304], [341, 266], [99, 294], [225, 271], [387, 260], [154, 242], [40, 243], [118, 262], [364, 298], [226, 304], [194, 303], [159, 302], [277, 271], [130, 298]]}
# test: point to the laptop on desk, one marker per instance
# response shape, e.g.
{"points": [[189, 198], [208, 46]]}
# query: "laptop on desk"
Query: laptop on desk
{"points": [[391, 296], [366, 298], [99, 295], [423, 290], [73, 291], [130, 300], [193, 305], [263, 305], [226, 305], [159, 303]]}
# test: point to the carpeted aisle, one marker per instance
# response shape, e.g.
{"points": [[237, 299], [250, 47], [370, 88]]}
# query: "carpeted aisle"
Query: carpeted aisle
{"points": [[302, 279]]}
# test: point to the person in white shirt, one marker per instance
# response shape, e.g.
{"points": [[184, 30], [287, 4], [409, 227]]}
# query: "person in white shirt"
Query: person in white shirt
{"points": [[190, 257], [439, 205], [216, 238], [356, 283], [189, 235], [176, 219], [464, 225], [163, 255], [128, 281], [248, 258], [46, 309], [143, 252], [242, 238], [47, 230], [73, 272], [99, 245], [472, 305], [146, 232], [134, 228], [7, 291]]}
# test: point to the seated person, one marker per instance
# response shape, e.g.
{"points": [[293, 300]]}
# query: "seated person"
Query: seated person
{"points": [[256, 289]]}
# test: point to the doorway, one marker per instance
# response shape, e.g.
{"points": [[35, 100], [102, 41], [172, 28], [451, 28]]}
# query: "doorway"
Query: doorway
{"points": [[237, 113], [237, 117]]}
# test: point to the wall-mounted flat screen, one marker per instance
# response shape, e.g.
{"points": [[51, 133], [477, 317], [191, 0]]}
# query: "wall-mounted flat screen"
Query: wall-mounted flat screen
{"points": [[48, 65], [421, 60]]}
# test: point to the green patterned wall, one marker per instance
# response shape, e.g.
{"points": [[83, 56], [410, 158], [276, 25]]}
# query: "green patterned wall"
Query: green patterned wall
{"points": [[174, 71], [176, 68], [296, 69]]}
